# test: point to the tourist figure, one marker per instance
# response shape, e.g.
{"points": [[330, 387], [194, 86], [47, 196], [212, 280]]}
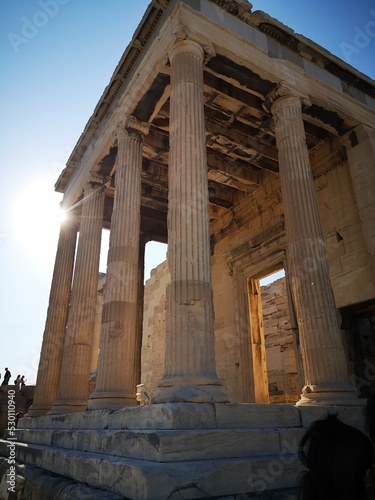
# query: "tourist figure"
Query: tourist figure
{"points": [[337, 457], [6, 377], [17, 381], [19, 415], [22, 381]]}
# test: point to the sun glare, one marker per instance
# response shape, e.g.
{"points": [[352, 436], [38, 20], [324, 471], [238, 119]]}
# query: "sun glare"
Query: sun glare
{"points": [[61, 216], [36, 219]]}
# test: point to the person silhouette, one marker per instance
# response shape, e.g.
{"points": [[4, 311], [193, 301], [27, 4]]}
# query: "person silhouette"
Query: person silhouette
{"points": [[370, 428], [22, 382], [7, 376], [337, 457], [370, 417]]}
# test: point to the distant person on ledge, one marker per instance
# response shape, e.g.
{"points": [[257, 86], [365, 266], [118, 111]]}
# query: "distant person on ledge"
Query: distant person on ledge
{"points": [[6, 377]]}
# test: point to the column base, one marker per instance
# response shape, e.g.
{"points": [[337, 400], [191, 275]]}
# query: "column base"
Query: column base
{"points": [[191, 394], [38, 410], [111, 400], [61, 407], [312, 396]]}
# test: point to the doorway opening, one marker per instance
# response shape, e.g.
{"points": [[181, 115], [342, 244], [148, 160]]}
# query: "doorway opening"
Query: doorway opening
{"points": [[156, 280], [155, 254], [359, 327], [273, 338]]}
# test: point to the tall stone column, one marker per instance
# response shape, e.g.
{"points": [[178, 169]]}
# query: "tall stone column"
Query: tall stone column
{"points": [[190, 351], [74, 378], [325, 366], [51, 355], [118, 367]]}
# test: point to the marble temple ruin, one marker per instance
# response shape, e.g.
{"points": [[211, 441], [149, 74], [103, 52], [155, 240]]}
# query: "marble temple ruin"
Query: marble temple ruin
{"points": [[247, 148]]}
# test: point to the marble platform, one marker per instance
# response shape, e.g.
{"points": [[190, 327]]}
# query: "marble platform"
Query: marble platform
{"points": [[173, 451]]}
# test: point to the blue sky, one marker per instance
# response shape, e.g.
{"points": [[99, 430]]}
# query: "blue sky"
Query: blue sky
{"points": [[57, 56]]}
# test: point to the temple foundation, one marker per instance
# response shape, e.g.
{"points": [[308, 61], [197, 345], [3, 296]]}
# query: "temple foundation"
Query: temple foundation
{"points": [[167, 450]]}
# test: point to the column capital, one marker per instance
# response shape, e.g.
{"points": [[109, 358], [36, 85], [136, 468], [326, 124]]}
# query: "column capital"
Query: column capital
{"points": [[282, 91], [185, 39], [130, 124], [96, 181]]}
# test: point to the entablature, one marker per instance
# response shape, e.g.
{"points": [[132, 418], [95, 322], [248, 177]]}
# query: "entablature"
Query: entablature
{"points": [[239, 74]]}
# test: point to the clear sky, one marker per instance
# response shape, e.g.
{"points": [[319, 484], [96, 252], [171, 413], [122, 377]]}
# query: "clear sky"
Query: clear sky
{"points": [[56, 57]]}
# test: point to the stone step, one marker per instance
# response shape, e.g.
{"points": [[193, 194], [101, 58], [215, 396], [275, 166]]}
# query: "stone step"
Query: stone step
{"points": [[144, 479], [174, 451], [173, 416], [194, 416], [37, 484], [170, 446]]}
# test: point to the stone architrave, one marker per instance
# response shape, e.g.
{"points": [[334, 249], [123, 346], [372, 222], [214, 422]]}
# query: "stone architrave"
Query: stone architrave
{"points": [[118, 366], [51, 355], [74, 378], [190, 352], [325, 366]]}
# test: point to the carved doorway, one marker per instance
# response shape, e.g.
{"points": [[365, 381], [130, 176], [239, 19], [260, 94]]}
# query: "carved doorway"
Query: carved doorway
{"points": [[273, 343], [359, 324]]}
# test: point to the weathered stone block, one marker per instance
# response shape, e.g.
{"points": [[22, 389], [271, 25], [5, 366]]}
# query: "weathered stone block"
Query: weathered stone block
{"points": [[350, 415], [256, 416], [164, 416]]}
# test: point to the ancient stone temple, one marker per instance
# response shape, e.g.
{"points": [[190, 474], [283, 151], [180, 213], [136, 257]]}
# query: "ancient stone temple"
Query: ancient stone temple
{"points": [[248, 149]]}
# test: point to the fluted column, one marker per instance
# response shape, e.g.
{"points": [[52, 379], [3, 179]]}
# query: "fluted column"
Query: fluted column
{"points": [[325, 366], [74, 378], [118, 365], [190, 351], [48, 378]]}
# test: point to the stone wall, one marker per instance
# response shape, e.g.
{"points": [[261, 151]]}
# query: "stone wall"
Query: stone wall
{"points": [[249, 242], [153, 341], [280, 358], [23, 401]]}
